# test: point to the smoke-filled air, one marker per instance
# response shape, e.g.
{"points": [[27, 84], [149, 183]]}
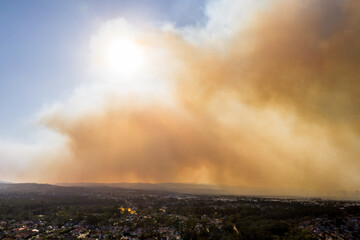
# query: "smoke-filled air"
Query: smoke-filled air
{"points": [[261, 94]]}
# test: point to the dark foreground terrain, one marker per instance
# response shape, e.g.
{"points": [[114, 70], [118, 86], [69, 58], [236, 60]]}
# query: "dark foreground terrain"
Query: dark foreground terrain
{"points": [[33, 211]]}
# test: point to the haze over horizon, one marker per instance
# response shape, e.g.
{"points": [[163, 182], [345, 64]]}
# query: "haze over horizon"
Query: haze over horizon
{"points": [[261, 94]]}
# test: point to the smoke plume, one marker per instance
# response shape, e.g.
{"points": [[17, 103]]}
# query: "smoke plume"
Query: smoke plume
{"points": [[273, 104]]}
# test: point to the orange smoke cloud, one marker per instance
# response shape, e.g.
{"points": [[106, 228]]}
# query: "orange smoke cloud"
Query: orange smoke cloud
{"points": [[278, 107]]}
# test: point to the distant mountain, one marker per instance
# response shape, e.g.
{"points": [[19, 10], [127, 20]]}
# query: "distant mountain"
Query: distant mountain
{"points": [[16, 189], [181, 188], [169, 187], [27, 187], [188, 188]]}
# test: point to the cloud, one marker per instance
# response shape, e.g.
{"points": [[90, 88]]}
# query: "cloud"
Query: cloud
{"points": [[267, 99]]}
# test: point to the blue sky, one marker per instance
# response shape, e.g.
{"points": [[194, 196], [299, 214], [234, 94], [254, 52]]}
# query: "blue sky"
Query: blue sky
{"points": [[43, 45]]}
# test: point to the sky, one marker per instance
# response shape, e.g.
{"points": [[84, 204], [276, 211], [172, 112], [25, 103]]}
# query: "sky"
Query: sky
{"points": [[260, 94], [43, 46]]}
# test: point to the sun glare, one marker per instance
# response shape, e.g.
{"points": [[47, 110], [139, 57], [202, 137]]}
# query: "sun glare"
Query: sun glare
{"points": [[123, 57], [128, 61], [117, 56]]}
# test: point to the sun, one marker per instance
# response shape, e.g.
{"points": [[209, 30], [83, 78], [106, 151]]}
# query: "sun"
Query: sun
{"points": [[117, 56], [129, 60], [123, 57]]}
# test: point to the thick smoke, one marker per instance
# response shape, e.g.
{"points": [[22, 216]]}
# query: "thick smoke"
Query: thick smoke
{"points": [[276, 106]]}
